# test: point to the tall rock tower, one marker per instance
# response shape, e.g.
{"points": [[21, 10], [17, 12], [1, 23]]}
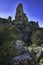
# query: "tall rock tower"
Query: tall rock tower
{"points": [[19, 12], [20, 15]]}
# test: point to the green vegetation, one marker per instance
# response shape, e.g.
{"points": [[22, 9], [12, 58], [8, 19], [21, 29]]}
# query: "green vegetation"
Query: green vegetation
{"points": [[37, 37], [7, 36]]}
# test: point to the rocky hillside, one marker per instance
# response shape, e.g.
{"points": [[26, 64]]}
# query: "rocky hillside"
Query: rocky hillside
{"points": [[23, 30]]}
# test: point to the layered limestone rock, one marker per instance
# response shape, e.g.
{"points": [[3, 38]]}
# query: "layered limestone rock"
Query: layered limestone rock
{"points": [[19, 12], [20, 15]]}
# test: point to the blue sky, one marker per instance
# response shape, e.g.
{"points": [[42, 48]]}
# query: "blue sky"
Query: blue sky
{"points": [[32, 8]]}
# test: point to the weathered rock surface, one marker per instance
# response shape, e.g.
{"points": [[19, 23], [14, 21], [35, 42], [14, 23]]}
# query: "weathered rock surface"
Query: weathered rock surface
{"points": [[20, 15], [25, 59]]}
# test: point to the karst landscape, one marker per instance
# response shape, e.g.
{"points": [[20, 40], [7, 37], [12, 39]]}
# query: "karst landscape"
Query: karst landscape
{"points": [[21, 40]]}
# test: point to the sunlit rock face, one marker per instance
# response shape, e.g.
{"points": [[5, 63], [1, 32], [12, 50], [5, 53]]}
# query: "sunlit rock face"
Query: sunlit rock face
{"points": [[40, 60]]}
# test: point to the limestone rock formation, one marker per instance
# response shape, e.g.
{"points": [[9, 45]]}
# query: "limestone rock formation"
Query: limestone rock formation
{"points": [[20, 15], [24, 59], [19, 12], [21, 22]]}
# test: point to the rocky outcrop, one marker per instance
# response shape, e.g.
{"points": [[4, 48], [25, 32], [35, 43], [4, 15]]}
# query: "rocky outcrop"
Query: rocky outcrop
{"points": [[21, 22], [20, 15], [26, 27], [24, 59]]}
